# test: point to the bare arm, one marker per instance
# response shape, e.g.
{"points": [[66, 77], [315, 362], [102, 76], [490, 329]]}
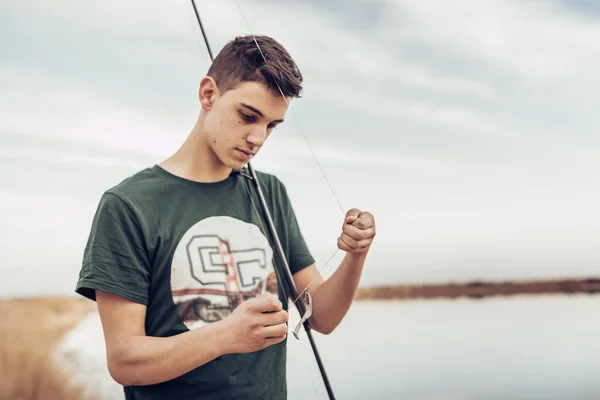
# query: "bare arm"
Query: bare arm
{"points": [[331, 298], [137, 359]]}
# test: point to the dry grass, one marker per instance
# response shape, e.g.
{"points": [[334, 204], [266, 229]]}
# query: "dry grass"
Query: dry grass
{"points": [[29, 329]]}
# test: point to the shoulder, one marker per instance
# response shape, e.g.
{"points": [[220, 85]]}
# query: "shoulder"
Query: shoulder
{"points": [[138, 183], [143, 184], [131, 194], [275, 191], [270, 181], [273, 188]]}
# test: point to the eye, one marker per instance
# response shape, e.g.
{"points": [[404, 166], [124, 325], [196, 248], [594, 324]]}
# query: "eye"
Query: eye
{"points": [[247, 117]]}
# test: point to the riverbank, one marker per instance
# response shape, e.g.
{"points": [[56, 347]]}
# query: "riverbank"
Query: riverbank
{"points": [[480, 289]]}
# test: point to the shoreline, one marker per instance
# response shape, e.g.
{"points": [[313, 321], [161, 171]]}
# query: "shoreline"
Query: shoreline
{"points": [[478, 289]]}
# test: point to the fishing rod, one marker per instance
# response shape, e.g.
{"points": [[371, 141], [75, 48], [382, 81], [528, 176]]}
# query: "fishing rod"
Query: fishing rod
{"points": [[289, 281]]}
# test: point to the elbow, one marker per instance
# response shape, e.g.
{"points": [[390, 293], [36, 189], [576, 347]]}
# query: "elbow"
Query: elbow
{"points": [[328, 330], [121, 371], [117, 375], [324, 329]]}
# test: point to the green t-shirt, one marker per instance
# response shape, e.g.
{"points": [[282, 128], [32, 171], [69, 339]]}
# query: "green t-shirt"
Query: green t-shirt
{"points": [[191, 252]]}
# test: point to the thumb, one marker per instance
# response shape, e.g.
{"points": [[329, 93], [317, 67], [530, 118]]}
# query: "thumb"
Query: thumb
{"points": [[352, 215]]}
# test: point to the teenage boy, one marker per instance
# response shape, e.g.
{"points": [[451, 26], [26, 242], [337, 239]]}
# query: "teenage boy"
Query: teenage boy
{"points": [[178, 260]]}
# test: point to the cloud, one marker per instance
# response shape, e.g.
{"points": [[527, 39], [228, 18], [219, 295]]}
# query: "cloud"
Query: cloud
{"points": [[53, 107], [540, 43], [372, 77], [466, 127]]}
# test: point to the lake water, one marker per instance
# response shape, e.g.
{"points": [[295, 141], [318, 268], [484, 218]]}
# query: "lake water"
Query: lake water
{"points": [[504, 348]]}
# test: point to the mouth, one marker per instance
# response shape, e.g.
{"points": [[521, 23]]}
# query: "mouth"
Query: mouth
{"points": [[246, 154]]}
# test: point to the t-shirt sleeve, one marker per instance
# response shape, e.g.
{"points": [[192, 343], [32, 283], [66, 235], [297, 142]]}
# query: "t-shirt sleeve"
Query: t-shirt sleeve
{"points": [[115, 258], [299, 256]]}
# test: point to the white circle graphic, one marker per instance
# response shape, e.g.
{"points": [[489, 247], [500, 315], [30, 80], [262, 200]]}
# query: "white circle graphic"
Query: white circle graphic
{"points": [[218, 263]]}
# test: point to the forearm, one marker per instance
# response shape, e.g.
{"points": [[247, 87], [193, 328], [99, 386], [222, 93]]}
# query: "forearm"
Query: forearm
{"points": [[333, 298], [145, 360]]}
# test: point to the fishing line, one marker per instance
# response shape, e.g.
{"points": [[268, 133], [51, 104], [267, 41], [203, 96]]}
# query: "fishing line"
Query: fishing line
{"points": [[309, 146], [272, 229], [292, 113]]}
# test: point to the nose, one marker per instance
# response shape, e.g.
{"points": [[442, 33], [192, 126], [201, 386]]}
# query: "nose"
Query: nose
{"points": [[257, 136]]}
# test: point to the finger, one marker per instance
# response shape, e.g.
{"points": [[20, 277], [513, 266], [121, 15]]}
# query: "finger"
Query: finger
{"points": [[274, 340], [365, 220], [267, 303], [352, 215], [350, 249], [344, 246], [357, 233], [275, 318], [274, 331], [355, 244]]}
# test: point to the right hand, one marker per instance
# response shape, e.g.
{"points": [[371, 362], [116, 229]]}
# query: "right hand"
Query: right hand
{"points": [[256, 324]]}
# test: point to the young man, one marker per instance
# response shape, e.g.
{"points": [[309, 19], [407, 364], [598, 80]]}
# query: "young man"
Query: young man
{"points": [[178, 260]]}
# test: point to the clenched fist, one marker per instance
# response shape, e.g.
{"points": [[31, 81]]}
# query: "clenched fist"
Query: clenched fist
{"points": [[358, 231], [256, 324]]}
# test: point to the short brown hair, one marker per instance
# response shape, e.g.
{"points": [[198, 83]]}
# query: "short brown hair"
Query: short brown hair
{"points": [[241, 61]]}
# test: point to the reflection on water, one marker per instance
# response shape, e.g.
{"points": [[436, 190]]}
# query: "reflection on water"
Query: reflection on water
{"points": [[502, 348]]}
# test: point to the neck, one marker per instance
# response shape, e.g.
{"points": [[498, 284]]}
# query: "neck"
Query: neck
{"points": [[195, 160]]}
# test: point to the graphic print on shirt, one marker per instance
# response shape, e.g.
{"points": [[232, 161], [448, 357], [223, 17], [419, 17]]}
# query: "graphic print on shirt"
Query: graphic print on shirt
{"points": [[218, 263]]}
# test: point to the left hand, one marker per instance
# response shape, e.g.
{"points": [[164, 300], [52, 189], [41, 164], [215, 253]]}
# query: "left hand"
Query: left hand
{"points": [[358, 231]]}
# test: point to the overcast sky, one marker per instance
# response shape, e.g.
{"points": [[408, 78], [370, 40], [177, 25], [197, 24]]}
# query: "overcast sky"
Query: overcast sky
{"points": [[469, 128]]}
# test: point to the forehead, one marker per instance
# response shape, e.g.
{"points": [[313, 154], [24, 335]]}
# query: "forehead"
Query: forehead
{"points": [[260, 97]]}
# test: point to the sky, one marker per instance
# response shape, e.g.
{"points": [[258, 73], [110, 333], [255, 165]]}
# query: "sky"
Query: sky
{"points": [[468, 128]]}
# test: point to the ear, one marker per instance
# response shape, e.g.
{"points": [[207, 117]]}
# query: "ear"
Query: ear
{"points": [[208, 92]]}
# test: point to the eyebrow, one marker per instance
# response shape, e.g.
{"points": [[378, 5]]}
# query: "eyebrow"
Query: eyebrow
{"points": [[257, 111]]}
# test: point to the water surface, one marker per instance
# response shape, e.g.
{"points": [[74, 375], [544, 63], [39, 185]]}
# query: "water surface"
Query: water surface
{"points": [[505, 348]]}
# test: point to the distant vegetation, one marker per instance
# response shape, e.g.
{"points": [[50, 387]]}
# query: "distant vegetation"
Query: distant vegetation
{"points": [[479, 289]]}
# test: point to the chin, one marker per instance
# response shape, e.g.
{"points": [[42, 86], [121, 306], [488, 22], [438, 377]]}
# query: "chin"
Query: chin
{"points": [[230, 161], [235, 164]]}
